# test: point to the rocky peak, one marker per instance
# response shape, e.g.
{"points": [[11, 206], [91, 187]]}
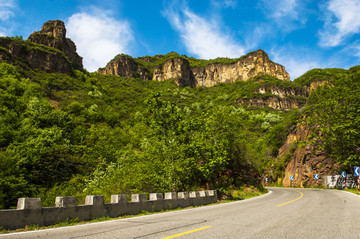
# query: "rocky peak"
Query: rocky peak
{"points": [[54, 28], [175, 68], [125, 66], [251, 65], [53, 34]]}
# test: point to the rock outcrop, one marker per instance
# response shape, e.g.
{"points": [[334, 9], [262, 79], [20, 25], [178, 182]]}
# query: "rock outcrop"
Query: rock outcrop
{"points": [[252, 64], [276, 97], [178, 68], [125, 66], [175, 68], [53, 34], [35, 56], [305, 162], [274, 102]]}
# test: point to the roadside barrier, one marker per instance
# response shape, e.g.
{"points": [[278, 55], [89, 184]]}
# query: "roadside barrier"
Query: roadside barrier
{"points": [[30, 212]]}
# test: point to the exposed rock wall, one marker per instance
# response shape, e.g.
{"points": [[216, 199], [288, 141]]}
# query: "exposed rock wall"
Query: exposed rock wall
{"points": [[125, 66], [34, 56], [176, 68], [53, 34], [253, 64], [274, 102], [305, 163], [278, 97]]}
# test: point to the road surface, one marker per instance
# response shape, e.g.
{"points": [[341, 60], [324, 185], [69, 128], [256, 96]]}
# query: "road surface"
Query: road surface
{"points": [[283, 213]]}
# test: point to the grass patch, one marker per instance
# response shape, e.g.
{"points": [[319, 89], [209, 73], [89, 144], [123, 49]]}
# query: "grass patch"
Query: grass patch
{"points": [[352, 190], [243, 193]]}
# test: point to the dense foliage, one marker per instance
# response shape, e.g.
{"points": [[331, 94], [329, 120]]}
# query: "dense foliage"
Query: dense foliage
{"points": [[95, 134]]}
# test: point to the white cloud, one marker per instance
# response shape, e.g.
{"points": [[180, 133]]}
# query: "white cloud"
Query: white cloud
{"points": [[6, 14], [7, 3], [7, 8], [224, 3], [288, 14], [202, 36], [342, 22], [98, 37]]}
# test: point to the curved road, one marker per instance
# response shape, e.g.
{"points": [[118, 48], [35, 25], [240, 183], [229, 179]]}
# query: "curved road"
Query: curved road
{"points": [[283, 213]]}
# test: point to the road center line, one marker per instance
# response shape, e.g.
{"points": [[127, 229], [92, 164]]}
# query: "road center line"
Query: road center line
{"points": [[292, 200], [184, 233]]}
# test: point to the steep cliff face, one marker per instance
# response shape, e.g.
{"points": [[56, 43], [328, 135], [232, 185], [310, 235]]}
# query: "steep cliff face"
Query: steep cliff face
{"points": [[53, 34], [278, 97], [253, 64], [35, 56], [125, 66], [304, 163], [176, 68], [185, 74], [274, 102]]}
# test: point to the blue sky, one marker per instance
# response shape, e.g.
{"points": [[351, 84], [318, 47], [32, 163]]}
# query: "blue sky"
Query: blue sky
{"points": [[299, 34]]}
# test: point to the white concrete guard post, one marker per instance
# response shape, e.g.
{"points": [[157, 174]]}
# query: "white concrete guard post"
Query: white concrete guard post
{"points": [[183, 195], [94, 200], [193, 194], [29, 203], [211, 193], [170, 195], [156, 196], [202, 194], [138, 197], [119, 198], [65, 202]]}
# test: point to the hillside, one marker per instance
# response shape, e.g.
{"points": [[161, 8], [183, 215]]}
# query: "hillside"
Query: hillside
{"points": [[65, 131]]}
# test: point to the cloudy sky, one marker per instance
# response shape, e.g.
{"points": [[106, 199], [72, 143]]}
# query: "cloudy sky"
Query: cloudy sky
{"points": [[299, 34]]}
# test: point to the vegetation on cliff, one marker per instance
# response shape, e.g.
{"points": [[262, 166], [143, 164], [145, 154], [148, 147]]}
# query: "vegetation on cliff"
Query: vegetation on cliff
{"points": [[333, 111]]}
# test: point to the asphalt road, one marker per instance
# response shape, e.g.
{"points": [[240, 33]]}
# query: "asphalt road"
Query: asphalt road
{"points": [[283, 213]]}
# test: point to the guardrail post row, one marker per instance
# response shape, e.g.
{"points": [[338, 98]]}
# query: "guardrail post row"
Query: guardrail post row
{"points": [[119, 198], [65, 202], [156, 196], [29, 203], [94, 200], [138, 197]]}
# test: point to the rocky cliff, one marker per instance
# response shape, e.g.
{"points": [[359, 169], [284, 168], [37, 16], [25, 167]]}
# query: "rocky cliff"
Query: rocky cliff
{"points": [[253, 64], [53, 34], [125, 66], [305, 162], [47, 50], [178, 68], [277, 97], [37, 57]]}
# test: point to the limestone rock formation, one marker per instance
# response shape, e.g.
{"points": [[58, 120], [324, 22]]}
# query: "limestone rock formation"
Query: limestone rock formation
{"points": [[53, 34], [175, 68], [276, 97], [253, 64], [178, 68], [125, 66], [274, 102], [305, 162], [35, 56]]}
